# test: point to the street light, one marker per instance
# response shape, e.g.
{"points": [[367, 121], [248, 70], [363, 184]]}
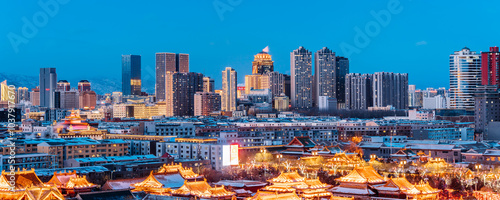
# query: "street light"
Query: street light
{"points": [[403, 163]]}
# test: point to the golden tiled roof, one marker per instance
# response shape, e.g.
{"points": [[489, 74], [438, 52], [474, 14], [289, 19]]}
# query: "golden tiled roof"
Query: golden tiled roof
{"points": [[287, 177], [403, 185], [425, 188], [186, 173], [42, 193], [79, 182], [265, 195], [23, 179], [363, 174], [149, 182], [201, 189]]}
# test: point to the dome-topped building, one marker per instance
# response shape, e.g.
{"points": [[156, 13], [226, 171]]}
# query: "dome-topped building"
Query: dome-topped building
{"points": [[262, 62]]}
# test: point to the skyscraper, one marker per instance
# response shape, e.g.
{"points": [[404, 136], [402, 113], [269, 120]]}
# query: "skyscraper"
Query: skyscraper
{"points": [[48, 79], [83, 86], [168, 62], [69, 99], [262, 62], [208, 84], [63, 85], [490, 67], [253, 82], [390, 89], [182, 62], [358, 91], [274, 81], [229, 86], [179, 92], [23, 94], [4, 91], [301, 78], [131, 74], [325, 74], [465, 77], [341, 70]]}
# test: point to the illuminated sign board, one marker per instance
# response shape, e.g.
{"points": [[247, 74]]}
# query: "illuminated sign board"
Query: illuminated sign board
{"points": [[230, 155], [234, 154], [226, 155]]}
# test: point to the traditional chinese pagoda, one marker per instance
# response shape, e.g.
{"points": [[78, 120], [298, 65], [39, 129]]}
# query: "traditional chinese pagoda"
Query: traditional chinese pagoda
{"points": [[267, 195], [292, 182], [74, 126], [186, 173], [70, 183], [151, 186], [359, 183]]}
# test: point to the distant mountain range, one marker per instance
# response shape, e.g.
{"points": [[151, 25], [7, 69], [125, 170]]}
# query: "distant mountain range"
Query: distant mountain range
{"points": [[99, 85]]}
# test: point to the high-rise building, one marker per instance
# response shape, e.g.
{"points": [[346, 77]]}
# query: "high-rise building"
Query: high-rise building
{"points": [[274, 81], [69, 99], [465, 77], [168, 62], [490, 67], [182, 62], [229, 86], [208, 84], [87, 100], [4, 91], [486, 108], [179, 92], [358, 91], [325, 74], [63, 85], [83, 85], [206, 103], [35, 96], [301, 79], [23, 94], [131, 74], [48, 80], [262, 62], [253, 81], [288, 83], [342, 69], [390, 89]]}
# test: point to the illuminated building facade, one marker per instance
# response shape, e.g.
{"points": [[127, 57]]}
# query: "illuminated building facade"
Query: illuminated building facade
{"points": [[208, 84], [274, 81], [35, 96], [301, 79], [253, 82], [229, 81], [465, 76], [23, 94], [262, 62]]}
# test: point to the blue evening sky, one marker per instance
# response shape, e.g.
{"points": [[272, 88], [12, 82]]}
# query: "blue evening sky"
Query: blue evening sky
{"points": [[85, 39]]}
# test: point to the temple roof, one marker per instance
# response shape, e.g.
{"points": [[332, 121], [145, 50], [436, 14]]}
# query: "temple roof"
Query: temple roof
{"points": [[288, 177], [186, 173], [24, 179], [69, 180], [303, 141], [399, 184], [264, 195], [149, 182], [201, 189], [425, 188], [363, 174], [312, 184], [42, 193]]}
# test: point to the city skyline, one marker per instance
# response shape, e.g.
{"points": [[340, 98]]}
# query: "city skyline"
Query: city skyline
{"points": [[235, 48]]}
